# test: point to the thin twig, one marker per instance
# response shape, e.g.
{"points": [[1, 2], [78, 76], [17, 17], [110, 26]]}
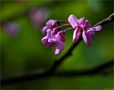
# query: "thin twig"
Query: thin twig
{"points": [[57, 63], [106, 21]]}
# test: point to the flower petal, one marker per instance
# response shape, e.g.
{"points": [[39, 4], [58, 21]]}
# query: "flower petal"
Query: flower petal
{"points": [[62, 36], [73, 21], [88, 24], [59, 47], [48, 39], [44, 30], [52, 40], [55, 31], [45, 41], [87, 38], [82, 22], [52, 23], [48, 33], [76, 35], [91, 33], [96, 28]]}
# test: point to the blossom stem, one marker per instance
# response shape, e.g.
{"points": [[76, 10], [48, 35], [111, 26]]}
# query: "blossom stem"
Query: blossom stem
{"points": [[106, 21], [67, 29], [62, 26], [62, 21]]}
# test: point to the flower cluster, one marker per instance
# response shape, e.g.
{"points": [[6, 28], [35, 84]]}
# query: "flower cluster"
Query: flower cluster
{"points": [[54, 36]]}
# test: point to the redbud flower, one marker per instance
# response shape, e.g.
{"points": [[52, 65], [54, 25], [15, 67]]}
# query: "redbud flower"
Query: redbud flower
{"points": [[54, 38], [11, 29], [83, 27], [51, 24], [39, 15]]}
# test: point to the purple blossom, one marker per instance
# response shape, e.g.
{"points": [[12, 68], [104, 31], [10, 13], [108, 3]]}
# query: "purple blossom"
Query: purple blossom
{"points": [[11, 29], [38, 16], [54, 38], [83, 27], [50, 24]]}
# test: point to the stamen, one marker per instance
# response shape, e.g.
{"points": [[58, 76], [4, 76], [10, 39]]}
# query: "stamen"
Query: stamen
{"points": [[64, 25]]}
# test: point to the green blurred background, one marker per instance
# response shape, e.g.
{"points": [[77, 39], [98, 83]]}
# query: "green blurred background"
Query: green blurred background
{"points": [[23, 51]]}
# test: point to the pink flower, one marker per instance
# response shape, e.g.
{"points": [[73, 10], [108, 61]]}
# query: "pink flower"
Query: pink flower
{"points": [[38, 16], [11, 28], [50, 24], [83, 27], [54, 38]]}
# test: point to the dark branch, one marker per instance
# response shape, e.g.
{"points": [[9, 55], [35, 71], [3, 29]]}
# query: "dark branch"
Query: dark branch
{"points": [[107, 20], [100, 69], [51, 71]]}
